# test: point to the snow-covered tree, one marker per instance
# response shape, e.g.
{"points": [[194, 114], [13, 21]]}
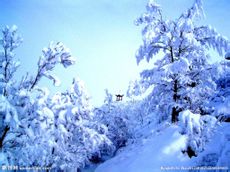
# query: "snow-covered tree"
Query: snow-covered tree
{"points": [[55, 54], [39, 130], [108, 99], [181, 77], [8, 65], [27, 122], [134, 89], [78, 135]]}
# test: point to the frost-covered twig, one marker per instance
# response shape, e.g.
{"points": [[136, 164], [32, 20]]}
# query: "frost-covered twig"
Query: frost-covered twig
{"points": [[53, 55]]}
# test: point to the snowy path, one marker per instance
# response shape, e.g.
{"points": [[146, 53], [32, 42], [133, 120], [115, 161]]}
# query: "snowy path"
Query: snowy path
{"points": [[162, 151], [152, 155]]}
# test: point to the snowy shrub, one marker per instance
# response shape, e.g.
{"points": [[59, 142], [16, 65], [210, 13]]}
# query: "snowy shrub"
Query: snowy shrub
{"points": [[123, 120], [116, 122], [8, 115], [198, 130], [219, 103], [26, 120], [217, 151], [81, 135], [180, 77], [38, 129]]}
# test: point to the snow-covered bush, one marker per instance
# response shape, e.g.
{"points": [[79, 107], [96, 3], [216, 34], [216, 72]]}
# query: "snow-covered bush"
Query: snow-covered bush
{"points": [[219, 103], [216, 153], [8, 123], [38, 129], [26, 120], [117, 123], [121, 119], [112, 115], [198, 130], [81, 135], [180, 78], [35, 137], [124, 120]]}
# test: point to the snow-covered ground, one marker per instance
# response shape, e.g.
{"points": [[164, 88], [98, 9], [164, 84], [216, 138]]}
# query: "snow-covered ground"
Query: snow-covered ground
{"points": [[161, 150]]}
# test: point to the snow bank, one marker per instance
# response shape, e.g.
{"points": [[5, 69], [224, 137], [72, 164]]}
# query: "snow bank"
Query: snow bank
{"points": [[159, 151]]}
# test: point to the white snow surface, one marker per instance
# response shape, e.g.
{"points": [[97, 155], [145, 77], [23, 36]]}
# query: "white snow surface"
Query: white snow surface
{"points": [[161, 149], [157, 150]]}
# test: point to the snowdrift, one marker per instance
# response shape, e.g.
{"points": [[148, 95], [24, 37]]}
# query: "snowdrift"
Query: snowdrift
{"points": [[161, 150]]}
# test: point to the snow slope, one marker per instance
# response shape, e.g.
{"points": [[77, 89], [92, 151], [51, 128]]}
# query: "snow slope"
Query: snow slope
{"points": [[154, 153], [161, 150]]}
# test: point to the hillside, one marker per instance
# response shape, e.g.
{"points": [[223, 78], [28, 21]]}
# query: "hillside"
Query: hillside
{"points": [[163, 151]]}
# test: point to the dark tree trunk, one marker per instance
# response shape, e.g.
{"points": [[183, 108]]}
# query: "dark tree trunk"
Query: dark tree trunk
{"points": [[174, 115], [175, 110], [6, 129]]}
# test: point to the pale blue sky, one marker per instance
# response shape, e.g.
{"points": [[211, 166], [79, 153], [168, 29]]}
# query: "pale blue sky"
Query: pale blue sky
{"points": [[101, 34]]}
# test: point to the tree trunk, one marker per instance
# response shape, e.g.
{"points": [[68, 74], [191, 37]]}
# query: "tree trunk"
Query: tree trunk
{"points": [[174, 115], [6, 129], [175, 111]]}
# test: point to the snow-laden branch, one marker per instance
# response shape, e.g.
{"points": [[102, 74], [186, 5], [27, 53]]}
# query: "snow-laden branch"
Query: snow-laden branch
{"points": [[53, 55]]}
